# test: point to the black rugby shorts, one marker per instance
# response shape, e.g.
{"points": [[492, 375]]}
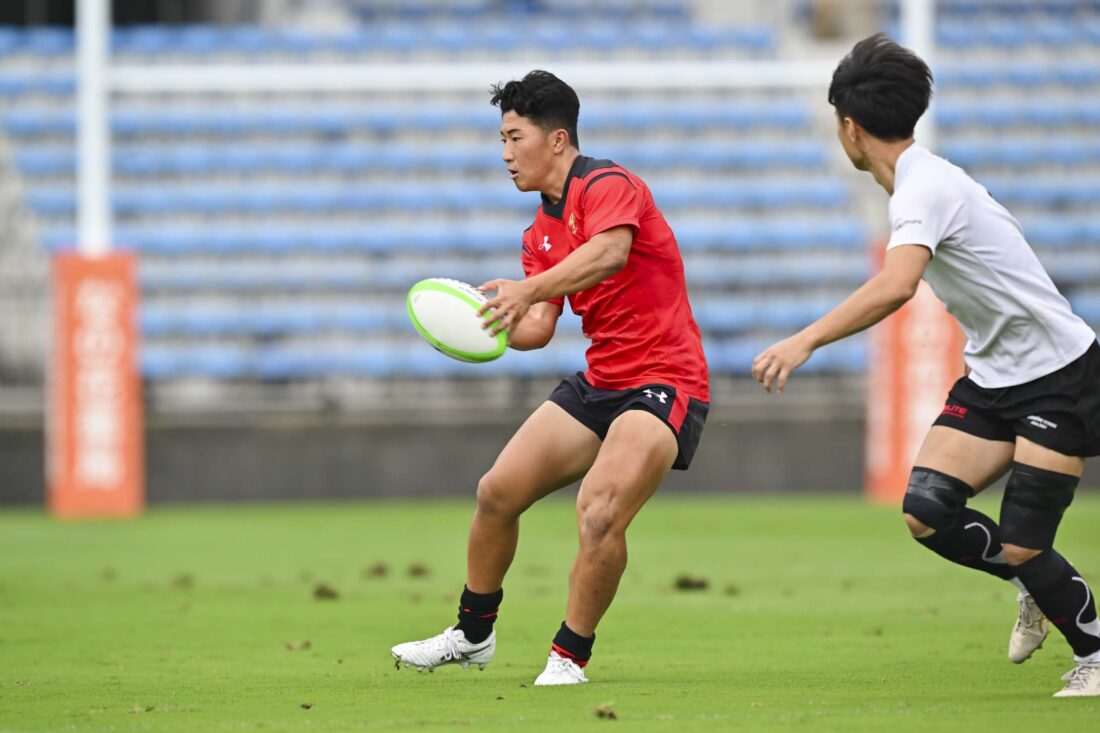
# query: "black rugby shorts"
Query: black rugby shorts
{"points": [[1060, 411], [596, 409]]}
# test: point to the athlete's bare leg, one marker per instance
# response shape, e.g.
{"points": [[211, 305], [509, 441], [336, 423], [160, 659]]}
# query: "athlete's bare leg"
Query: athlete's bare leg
{"points": [[550, 450], [975, 461], [636, 456]]}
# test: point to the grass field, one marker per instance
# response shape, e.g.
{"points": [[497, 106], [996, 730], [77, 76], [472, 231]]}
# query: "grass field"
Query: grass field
{"points": [[819, 616]]}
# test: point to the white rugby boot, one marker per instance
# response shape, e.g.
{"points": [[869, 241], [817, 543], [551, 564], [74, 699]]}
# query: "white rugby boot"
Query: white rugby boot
{"points": [[1029, 632], [450, 647], [1081, 681], [560, 671]]}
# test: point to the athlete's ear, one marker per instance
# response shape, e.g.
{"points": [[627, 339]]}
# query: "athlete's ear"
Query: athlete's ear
{"points": [[559, 140], [852, 129]]}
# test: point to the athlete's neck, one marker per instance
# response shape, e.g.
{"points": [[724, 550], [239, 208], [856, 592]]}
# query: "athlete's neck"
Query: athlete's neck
{"points": [[555, 185], [882, 159]]}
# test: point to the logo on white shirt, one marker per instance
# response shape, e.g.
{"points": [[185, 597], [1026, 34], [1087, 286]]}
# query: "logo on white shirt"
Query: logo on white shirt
{"points": [[545, 246], [905, 222]]}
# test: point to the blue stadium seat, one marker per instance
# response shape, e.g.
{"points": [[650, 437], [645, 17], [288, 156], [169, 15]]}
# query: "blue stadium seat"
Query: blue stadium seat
{"points": [[1002, 113], [735, 355], [1080, 191], [1078, 74], [745, 313], [58, 84], [1087, 305], [1021, 151], [330, 120], [49, 41]]}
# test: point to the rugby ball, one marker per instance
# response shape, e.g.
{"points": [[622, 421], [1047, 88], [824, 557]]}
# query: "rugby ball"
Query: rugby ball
{"points": [[444, 312]]}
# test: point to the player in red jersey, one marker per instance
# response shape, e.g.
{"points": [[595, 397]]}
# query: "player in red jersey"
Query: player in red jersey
{"points": [[599, 241]]}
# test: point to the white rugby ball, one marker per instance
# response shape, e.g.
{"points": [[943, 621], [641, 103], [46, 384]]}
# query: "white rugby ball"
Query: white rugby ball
{"points": [[444, 311]]}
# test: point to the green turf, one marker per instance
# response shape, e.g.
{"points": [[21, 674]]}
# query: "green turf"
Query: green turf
{"points": [[821, 615]]}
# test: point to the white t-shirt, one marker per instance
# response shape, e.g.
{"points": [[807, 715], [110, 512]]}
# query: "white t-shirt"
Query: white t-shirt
{"points": [[1018, 326]]}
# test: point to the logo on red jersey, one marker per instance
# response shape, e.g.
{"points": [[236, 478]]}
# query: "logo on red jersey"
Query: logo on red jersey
{"points": [[545, 246], [573, 224]]}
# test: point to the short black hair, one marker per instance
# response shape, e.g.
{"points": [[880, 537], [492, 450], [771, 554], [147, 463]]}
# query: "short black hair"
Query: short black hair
{"points": [[542, 98], [882, 86]]}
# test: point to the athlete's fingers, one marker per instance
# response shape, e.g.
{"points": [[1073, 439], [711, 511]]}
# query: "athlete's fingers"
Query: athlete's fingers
{"points": [[499, 322], [491, 302], [761, 362], [760, 368], [491, 307], [784, 374], [493, 311], [506, 323], [769, 375]]}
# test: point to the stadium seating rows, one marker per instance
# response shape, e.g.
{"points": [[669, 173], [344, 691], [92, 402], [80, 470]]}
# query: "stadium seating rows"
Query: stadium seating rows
{"points": [[457, 36], [411, 358], [338, 275], [715, 315], [214, 200], [693, 234], [1073, 73], [332, 119], [695, 116], [193, 159], [275, 300], [1022, 151], [1013, 35]]}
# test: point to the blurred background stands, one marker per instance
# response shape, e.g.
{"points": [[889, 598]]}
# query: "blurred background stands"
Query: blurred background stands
{"points": [[278, 234]]}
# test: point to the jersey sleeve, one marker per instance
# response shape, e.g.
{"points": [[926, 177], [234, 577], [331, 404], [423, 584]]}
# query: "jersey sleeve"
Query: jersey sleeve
{"points": [[611, 200], [533, 264], [919, 215]]}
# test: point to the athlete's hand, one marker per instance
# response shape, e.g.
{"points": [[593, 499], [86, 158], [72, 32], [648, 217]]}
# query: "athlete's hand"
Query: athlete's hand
{"points": [[774, 364], [508, 306]]}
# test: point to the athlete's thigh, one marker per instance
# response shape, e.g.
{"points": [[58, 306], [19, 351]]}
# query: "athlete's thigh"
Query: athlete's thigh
{"points": [[977, 462], [550, 450], [637, 454], [1033, 454]]}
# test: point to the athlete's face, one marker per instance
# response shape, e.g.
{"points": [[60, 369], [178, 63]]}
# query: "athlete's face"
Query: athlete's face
{"points": [[528, 151], [848, 132]]}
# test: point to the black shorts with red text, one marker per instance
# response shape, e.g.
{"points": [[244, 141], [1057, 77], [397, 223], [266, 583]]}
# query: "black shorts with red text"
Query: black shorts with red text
{"points": [[597, 408], [1060, 411]]}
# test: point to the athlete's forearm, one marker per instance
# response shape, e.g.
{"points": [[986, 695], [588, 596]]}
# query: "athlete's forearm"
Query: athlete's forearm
{"points": [[599, 258], [874, 300], [534, 331]]}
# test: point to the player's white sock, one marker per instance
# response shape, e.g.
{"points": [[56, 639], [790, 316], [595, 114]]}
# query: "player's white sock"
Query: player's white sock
{"points": [[1093, 658]]}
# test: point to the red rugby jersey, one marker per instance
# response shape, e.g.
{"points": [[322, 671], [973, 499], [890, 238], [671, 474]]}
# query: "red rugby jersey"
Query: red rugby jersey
{"points": [[639, 319]]}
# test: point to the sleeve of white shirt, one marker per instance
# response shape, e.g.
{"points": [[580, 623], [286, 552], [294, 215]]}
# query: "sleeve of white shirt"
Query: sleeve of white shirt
{"points": [[920, 215]]}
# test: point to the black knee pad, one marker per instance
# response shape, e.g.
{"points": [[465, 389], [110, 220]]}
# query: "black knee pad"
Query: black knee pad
{"points": [[1033, 504], [935, 498]]}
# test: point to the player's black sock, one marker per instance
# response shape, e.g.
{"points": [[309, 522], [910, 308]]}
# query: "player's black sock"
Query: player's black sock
{"points": [[974, 542], [477, 612], [1064, 598], [570, 645]]}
